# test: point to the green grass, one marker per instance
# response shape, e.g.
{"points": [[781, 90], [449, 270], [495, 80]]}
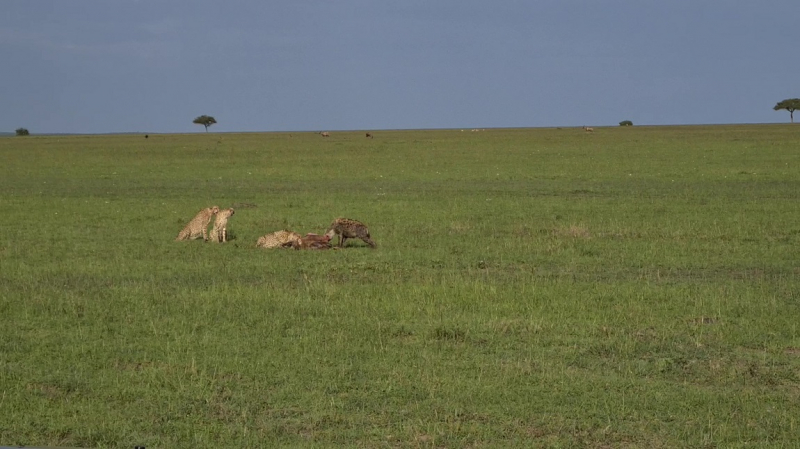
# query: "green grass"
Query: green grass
{"points": [[634, 287]]}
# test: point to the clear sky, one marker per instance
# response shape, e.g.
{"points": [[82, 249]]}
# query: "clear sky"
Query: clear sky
{"points": [[102, 66]]}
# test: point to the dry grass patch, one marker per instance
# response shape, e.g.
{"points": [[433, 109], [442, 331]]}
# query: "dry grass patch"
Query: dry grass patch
{"points": [[458, 227], [575, 231]]}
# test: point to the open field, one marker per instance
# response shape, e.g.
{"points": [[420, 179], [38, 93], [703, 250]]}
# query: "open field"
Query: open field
{"points": [[631, 287]]}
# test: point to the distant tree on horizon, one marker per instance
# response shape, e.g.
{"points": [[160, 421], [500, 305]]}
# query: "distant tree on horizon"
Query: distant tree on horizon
{"points": [[205, 120], [22, 132], [626, 123], [791, 105]]}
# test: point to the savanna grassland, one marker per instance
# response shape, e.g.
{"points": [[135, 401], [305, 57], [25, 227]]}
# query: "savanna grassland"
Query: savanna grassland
{"points": [[631, 287]]}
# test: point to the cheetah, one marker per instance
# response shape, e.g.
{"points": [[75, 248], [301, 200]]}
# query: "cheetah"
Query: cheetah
{"points": [[346, 228], [278, 239], [198, 227], [313, 241], [219, 233]]}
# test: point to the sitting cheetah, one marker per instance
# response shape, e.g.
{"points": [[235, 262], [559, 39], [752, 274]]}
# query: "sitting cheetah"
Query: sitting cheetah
{"points": [[313, 241], [346, 228], [219, 233], [198, 227], [278, 239]]}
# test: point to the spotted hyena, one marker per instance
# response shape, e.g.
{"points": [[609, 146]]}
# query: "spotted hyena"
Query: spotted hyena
{"points": [[219, 233], [346, 228], [278, 239], [198, 227], [313, 241]]}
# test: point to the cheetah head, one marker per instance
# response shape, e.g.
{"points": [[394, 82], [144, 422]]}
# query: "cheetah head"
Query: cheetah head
{"points": [[214, 210]]}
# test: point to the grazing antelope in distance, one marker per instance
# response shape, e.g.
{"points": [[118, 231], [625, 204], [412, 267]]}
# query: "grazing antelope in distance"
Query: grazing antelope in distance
{"points": [[588, 130], [325, 134], [369, 135]]}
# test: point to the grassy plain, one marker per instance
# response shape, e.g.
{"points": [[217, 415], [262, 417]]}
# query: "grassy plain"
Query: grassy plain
{"points": [[633, 287]]}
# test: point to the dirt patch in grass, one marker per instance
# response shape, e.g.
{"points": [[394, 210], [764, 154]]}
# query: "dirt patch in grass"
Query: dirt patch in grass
{"points": [[575, 231]]}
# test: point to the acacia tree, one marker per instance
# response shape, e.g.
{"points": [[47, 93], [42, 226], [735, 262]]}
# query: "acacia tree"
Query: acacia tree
{"points": [[205, 120], [791, 105], [23, 132]]}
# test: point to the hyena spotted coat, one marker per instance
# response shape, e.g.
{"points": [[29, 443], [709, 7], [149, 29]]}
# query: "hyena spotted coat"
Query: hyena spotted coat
{"points": [[347, 228]]}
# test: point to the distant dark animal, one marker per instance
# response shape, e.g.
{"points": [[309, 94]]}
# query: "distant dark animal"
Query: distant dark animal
{"points": [[346, 228], [369, 135]]}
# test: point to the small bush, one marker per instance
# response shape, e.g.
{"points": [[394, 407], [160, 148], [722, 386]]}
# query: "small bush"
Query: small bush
{"points": [[23, 132], [626, 123]]}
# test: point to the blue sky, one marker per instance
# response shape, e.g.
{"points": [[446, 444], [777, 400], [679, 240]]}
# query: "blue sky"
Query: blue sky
{"points": [[103, 66]]}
